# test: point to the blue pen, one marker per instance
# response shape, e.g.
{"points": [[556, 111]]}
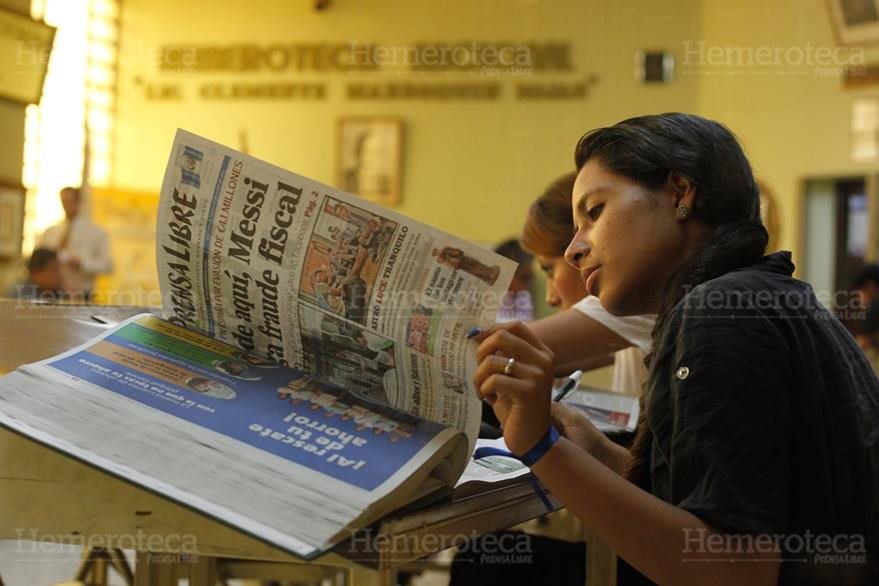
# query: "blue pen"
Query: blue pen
{"points": [[570, 385]]}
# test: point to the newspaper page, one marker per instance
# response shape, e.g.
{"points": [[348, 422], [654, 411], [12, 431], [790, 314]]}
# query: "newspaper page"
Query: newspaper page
{"points": [[323, 281], [609, 412], [491, 469], [244, 440]]}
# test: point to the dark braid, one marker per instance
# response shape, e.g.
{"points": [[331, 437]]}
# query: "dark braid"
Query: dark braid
{"points": [[648, 149]]}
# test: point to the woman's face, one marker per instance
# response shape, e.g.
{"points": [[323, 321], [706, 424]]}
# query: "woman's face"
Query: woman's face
{"points": [[629, 240], [564, 287]]}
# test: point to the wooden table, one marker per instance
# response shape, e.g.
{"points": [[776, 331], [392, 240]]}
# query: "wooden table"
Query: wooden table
{"points": [[50, 497]]}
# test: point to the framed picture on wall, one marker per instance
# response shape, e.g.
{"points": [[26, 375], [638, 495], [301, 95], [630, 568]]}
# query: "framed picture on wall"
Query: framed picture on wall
{"points": [[370, 158], [855, 22], [11, 219], [865, 129]]}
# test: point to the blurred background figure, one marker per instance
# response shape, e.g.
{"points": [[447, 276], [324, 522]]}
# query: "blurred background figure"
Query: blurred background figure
{"points": [[83, 248], [866, 287], [517, 304], [548, 230], [44, 278]]}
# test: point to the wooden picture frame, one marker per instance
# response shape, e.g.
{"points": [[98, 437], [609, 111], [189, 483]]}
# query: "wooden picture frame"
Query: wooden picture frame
{"points": [[369, 158], [11, 220], [855, 22]]}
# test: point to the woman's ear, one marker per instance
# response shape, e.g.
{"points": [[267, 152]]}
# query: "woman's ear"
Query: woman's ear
{"points": [[684, 191]]}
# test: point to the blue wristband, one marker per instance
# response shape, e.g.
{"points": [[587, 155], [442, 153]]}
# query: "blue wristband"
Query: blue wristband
{"points": [[531, 457], [487, 451]]}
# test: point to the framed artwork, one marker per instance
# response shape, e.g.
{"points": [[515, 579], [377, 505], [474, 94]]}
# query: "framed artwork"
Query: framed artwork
{"points": [[370, 158], [11, 219], [855, 22], [865, 129]]}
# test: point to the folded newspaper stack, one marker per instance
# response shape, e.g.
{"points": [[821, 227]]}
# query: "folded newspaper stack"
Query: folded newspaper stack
{"points": [[310, 374]]}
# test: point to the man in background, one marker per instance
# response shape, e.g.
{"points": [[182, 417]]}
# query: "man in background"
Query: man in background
{"points": [[82, 247], [44, 278]]}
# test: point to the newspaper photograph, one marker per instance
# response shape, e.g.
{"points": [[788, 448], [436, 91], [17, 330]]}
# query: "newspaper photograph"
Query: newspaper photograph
{"points": [[305, 275], [349, 356], [345, 254]]}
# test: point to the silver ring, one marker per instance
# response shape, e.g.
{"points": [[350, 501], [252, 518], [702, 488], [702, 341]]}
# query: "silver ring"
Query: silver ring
{"points": [[511, 364]]}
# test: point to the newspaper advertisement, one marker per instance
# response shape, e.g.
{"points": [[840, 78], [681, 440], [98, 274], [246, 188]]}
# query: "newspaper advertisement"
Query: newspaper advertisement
{"points": [[311, 277], [262, 447], [231, 392]]}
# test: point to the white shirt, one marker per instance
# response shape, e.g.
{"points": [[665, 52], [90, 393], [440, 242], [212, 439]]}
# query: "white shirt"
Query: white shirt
{"points": [[86, 243], [628, 364]]}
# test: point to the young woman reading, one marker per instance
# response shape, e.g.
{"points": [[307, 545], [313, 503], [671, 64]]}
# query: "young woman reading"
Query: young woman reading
{"points": [[756, 459], [583, 335]]}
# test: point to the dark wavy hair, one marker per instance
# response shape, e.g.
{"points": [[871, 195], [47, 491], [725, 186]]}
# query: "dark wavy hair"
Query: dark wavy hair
{"points": [[40, 258], [648, 149], [549, 226]]}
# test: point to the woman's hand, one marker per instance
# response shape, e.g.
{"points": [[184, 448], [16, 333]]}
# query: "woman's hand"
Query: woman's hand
{"points": [[574, 425], [521, 396]]}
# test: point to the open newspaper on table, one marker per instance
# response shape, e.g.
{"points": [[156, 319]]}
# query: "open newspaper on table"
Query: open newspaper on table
{"points": [[312, 373]]}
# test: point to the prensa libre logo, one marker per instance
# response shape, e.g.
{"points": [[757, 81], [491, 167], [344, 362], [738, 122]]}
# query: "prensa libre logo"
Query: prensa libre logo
{"points": [[189, 162]]}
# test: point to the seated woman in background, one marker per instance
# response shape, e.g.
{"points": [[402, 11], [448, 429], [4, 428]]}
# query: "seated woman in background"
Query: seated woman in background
{"points": [[759, 442], [583, 335]]}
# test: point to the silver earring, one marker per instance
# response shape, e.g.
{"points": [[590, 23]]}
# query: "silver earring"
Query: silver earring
{"points": [[683, 212]]}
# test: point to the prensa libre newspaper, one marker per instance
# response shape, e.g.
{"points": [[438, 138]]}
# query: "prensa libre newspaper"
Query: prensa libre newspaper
{"points": [[315, 278], [312, 372]]}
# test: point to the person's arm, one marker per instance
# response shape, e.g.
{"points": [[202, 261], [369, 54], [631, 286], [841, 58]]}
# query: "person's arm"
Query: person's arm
{"points": [[670, 543], [577, 340], [102, 260], [574, 425], [666, 543], [97, 260]]}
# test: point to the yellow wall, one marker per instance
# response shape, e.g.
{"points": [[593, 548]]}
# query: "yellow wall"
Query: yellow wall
{"points": [[129, 219], [11, 152], [11, 125], [470, 168], [793, 119]]}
